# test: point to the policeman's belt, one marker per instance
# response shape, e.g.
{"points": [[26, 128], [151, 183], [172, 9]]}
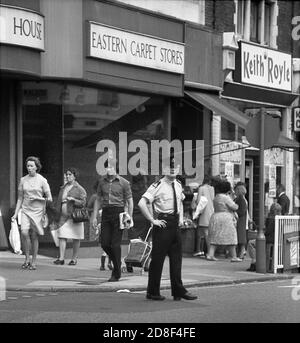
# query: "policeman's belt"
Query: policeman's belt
{"points": [[168, 216]]}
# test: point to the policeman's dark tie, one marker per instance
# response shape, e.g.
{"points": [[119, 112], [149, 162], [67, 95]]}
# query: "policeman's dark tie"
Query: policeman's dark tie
{"points": [[174, 199]]}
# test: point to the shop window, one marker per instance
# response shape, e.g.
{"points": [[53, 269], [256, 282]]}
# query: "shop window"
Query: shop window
{"points": [[63, 123], [227, 130], [241, 133], [254, 20], [240, 17]]}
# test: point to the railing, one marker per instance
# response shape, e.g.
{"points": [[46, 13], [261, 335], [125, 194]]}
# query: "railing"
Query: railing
{"points": [[283, 225]]}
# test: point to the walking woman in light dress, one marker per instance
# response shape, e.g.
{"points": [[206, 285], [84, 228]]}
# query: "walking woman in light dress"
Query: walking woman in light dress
{"points": [[222, 225], [71, 195], [33, 192]]}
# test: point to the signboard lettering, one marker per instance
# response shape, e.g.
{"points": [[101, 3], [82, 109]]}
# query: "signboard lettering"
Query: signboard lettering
{"points": [[126, 47], [21, 27], [296, 119], [266, 67]]}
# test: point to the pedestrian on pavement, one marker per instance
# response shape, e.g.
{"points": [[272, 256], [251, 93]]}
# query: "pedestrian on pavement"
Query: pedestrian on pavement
{"points": [[206, 190], [71, 195], [222, 225], [114, 195], [33, 193], [165, 196], [242, 220], [90, 207], [283, 200], [275, 210]]}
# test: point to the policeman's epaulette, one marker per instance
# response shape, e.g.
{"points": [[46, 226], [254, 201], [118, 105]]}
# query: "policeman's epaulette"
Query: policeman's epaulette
{"points": [[156, 184]]}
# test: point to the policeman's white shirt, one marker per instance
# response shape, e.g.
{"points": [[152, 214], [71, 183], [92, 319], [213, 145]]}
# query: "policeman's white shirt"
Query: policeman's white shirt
{"points": [[160, 195]]}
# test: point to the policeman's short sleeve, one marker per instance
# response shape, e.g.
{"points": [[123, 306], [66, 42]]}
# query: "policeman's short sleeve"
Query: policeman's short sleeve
{"points": [[182, 196], [150, 193]]}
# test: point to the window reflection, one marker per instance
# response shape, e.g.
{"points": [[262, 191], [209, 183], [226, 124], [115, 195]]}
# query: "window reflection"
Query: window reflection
{"points": [[63, 122]]}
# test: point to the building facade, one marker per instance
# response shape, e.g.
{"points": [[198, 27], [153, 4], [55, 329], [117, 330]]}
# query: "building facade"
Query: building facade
{"points": [[73, 76]]}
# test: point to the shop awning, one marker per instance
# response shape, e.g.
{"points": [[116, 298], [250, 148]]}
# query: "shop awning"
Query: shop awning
{"points": [[287, 143], [229, 112], [220, 106]]}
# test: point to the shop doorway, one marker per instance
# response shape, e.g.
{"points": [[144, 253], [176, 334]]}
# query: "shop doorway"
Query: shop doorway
{"points": [[42, 137], [249, 163]]}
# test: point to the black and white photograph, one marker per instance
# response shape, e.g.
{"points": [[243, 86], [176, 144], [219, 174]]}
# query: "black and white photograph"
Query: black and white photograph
{"points": [[149, 173]]}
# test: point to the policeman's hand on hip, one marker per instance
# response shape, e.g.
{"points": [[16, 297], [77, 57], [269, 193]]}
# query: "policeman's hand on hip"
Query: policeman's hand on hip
{"points": [[160, 223]]}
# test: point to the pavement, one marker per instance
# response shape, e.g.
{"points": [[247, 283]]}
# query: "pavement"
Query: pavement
{"points": [[86, 276]]}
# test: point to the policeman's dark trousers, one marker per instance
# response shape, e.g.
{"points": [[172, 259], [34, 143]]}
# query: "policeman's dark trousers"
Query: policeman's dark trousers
{"points": [[111, 237], [166, 242]]}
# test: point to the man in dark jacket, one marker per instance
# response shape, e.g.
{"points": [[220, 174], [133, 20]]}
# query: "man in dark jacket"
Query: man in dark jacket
{"points": [[283, 200]]}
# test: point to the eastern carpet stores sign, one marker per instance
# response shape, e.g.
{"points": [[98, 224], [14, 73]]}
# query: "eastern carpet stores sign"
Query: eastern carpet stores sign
{"points": [[266, 67], [126, 47]]}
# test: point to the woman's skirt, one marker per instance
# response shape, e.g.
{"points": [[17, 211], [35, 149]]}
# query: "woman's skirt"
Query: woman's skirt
{"points": [[67, 228], [222, 229], [71, 230]]}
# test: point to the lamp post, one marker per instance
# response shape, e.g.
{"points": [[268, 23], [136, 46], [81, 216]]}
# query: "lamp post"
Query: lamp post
{"points": [[262, 132], [260, 239]]}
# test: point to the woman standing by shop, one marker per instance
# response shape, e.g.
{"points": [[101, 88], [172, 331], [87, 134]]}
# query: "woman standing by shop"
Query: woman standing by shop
{"points": [[33, 192], [242, 220], [222, 225], [71, 195]]}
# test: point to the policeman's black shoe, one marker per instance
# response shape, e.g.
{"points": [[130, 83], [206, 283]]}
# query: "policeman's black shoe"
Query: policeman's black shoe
{"points": [[155, 297], [186, 296], [113, 279]]}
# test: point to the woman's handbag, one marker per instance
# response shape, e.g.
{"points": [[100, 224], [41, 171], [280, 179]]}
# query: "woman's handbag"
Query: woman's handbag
{"points": [[80, 215]]}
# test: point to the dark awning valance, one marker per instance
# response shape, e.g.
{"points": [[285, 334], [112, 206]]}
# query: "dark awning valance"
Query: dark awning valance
{"points": [[264, 96], [287, 143]]}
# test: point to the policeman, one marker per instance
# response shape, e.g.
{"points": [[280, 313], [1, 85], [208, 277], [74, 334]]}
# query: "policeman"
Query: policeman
{"points": [[165, 197]]}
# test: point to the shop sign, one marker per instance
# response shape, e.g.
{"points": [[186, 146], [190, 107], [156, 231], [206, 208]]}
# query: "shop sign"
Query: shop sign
{"points": [[272, 181], [274, 156], [21, 27], [122, 46], [296, 118], [231, 152], [265, 67]]}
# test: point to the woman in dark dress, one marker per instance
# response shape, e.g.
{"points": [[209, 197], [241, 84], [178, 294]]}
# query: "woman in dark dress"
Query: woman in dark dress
{"points": [[242, 221]]}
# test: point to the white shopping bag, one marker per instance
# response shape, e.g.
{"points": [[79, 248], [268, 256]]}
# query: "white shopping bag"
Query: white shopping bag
{"points": [[200, 207], [54, 234], [14, 238]]}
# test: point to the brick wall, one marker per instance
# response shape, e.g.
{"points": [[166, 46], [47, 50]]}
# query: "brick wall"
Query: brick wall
{"points": [[219, 15], [284, 22]]}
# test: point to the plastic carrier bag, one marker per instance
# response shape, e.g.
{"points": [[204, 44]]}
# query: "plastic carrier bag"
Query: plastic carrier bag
{"points": [[14, 238]]}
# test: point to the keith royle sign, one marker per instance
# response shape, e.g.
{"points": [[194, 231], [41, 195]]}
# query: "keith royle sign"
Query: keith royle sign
{"points": [[122, 46], [23, 27], [260, 66]]}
